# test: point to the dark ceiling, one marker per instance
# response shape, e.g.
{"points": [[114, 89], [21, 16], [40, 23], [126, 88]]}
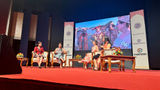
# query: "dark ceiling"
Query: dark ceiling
{"points": [[80, 9]]}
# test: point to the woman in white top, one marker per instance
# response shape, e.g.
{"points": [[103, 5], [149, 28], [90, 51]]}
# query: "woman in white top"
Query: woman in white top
{"points": [[107, 44], [96, 56]]}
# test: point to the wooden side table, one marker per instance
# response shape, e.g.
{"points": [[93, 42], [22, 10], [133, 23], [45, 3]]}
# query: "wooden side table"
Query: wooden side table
{"points": [[121, 58], [71, 60], [23, 59]]}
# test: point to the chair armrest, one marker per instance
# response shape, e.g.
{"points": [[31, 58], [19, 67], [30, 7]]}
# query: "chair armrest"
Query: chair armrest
{"points": [[65, 56]]}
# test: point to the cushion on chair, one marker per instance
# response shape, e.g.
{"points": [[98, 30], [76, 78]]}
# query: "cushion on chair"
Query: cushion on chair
{"points": [[45, 55], [35, 60], [97, 53], [113, 61], [55, 60], [90, 56], [52, 52]]}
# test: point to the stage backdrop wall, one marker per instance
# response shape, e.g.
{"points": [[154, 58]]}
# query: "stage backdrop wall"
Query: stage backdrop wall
{"points": [[152, 18], [139, 42], [68, 39], [25, 33], [5, 11], [43, 29], [79, 12], [57, 30]]}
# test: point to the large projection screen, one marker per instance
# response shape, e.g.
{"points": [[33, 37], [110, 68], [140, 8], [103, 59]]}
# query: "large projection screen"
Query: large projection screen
{"points": [[116, 29]]}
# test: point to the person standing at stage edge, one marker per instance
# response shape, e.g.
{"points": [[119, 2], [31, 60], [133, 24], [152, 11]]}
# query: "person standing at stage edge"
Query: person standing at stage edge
{"points": [[39, 50]]}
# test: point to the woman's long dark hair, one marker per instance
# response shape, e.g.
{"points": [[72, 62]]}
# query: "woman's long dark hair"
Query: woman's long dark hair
{"points": [[38, 43], [107, 40]]}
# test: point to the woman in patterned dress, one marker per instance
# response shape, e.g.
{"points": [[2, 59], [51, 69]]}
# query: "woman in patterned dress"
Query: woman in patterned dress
{"points": [[59, 54]]}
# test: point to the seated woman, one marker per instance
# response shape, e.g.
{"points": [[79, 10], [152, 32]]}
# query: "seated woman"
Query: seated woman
{"points": [[107, 44], [87, 59], [59, 54], [38, 50], [96, 58]]}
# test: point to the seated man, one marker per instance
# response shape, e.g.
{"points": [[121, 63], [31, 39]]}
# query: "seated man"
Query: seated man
{"points": [[59, 54]]}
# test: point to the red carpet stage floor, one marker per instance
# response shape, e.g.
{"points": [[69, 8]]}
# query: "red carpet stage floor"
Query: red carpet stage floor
{"points": [[141, 80]]}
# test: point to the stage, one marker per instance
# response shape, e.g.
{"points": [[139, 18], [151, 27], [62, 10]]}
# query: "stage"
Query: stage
{"points": [[88, 79]]}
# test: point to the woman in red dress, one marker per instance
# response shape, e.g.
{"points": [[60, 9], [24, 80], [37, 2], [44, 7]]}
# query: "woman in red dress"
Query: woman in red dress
{"points": [[39, 50]]}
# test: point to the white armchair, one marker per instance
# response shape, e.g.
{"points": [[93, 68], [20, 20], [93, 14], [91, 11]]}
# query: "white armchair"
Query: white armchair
{"points": [[90, 59], [45, 59], [54, 60]]}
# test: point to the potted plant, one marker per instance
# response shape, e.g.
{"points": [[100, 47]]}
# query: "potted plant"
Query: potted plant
{"points": [[78, 56], [118, 52], [20, 55]]}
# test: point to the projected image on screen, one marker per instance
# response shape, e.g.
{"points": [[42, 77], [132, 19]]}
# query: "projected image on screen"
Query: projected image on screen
{"points": [[116, 29]]}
